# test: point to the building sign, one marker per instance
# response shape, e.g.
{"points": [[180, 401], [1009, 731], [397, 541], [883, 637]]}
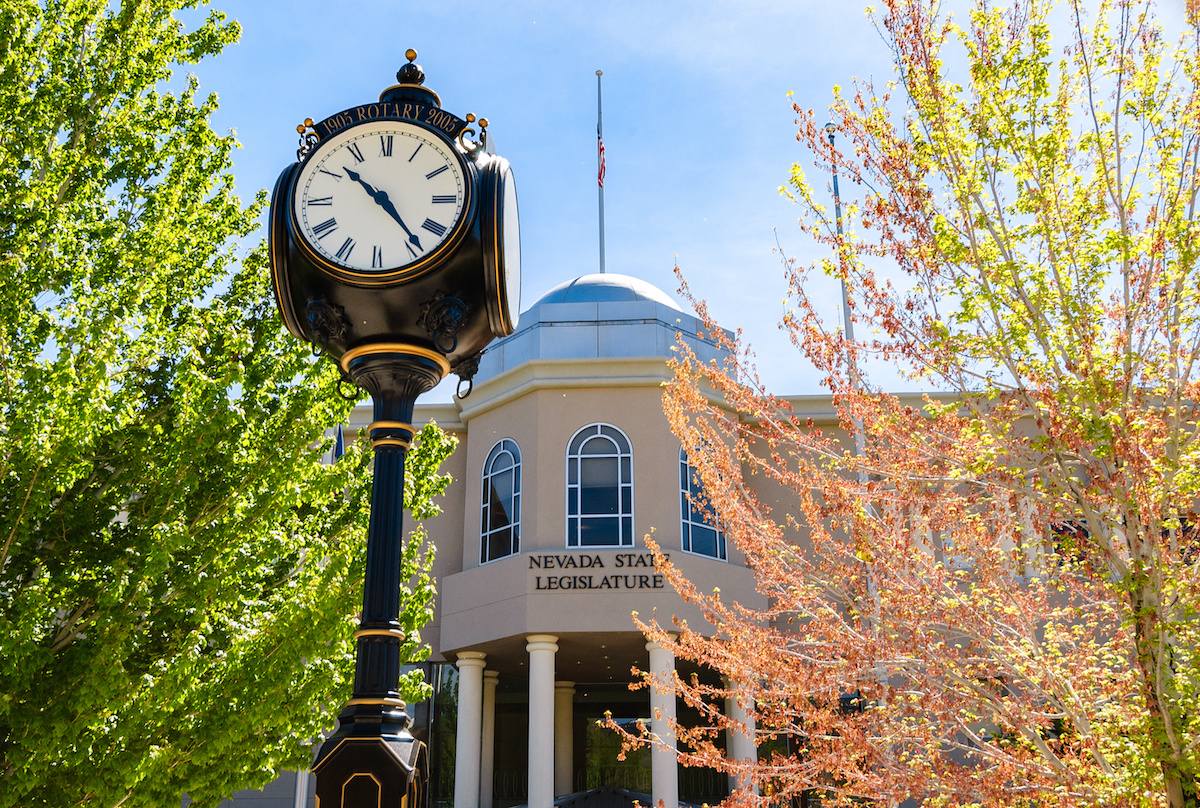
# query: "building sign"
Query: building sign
{"points": [[609, 572]]}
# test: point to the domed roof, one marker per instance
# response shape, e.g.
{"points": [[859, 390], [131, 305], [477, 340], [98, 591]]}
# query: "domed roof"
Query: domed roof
{"points": [[608, 287], [599, 316]]}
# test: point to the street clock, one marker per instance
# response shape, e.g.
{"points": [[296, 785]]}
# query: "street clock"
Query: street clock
{"points": [[396, 251]]}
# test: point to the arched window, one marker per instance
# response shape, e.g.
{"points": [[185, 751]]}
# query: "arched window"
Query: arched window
{"points": [[599, 488], [500, 531], [700, 532]]}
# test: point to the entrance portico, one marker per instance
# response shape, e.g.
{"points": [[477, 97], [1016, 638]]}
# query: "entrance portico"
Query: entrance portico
{"points": [[559, 677], [553, 725]]}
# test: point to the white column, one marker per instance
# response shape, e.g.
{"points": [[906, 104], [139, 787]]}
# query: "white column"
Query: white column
{"points": [[541, 649], [488, 739], [470, 716], [564, 737], [300, 796], [739, 744], [664, 771]]}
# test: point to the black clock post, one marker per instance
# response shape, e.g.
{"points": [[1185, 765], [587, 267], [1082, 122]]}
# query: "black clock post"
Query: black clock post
{"points": [[395, 251]]}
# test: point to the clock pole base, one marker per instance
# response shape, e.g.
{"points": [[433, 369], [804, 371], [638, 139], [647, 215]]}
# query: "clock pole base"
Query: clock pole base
{"points": [[372, 772]]}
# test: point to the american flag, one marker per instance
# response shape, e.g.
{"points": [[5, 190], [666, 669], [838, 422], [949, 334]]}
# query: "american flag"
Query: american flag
{"points": [[600, 145]]}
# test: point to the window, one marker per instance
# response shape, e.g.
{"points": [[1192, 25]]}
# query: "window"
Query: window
{"points": [[700, 532], [500, 531], [599, 488]]}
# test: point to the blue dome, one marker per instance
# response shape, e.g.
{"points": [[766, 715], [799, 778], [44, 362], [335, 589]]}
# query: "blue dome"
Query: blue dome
{"points": [[609, 287]]}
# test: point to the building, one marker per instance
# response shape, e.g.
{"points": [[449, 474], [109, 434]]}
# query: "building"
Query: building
{"points": [[565, 462]]}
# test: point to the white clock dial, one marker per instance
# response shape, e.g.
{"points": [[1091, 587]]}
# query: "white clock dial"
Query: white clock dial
{"points": [[381, 197], [502, 245], [511, 246]]}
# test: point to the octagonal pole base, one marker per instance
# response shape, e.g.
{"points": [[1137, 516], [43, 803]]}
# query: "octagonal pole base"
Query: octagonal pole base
{"points": [[375, 772]]}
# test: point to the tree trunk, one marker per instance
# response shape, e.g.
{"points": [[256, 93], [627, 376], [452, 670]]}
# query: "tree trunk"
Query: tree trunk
{"points": [[1179, 781]]}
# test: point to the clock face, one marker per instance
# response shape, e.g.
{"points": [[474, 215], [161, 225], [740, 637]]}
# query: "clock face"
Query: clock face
{"points": [[511, 247], [381, 198], [502, 246]]}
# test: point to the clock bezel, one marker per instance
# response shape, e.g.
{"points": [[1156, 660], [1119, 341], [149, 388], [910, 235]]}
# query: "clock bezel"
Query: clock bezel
{"points": [[277, 250], [403, 272]]}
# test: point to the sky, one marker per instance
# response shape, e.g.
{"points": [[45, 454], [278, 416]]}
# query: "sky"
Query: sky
{"points": [[698, 126]]}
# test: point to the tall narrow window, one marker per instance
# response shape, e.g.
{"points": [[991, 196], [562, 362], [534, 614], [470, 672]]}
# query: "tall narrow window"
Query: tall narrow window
{"points": [[599, 488], [700, 532], [500, 531]]}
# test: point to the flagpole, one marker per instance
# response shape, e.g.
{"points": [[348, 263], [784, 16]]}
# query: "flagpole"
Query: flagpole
{"points": [[600, 162]]}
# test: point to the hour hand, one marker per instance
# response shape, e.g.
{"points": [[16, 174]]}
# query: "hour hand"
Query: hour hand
{"points": [[354, 175], [381, 199]]}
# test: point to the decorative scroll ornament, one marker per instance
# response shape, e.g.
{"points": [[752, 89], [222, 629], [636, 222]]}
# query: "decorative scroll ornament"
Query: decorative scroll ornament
{"points": [[442, 317], [466, 370], [472, 147], [326, 322], [308, 139]]}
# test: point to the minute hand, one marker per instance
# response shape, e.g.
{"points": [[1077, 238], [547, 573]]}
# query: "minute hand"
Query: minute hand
{"points": [[381, 199]]}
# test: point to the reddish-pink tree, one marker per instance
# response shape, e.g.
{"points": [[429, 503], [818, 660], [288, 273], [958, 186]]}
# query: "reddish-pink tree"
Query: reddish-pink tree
{"points": [[992, 599]]}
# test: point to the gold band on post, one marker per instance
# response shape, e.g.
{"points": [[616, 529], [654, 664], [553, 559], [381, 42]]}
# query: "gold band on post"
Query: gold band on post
{"points": [[387, 701], [395, 348], [404, 444], [379, 632], [390, 425]]}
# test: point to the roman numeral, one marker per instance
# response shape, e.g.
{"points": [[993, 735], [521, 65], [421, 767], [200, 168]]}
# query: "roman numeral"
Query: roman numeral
{"points": [[325, 228], [433, 227], [320, 200], [344, 251], [440, 199], [337, 177], [385, 145], [435, 172], [376, 257], [414, 154], [355, 152]]}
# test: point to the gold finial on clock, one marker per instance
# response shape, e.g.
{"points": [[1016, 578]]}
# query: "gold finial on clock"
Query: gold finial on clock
{"points": [[411, 87], [410, 73]]}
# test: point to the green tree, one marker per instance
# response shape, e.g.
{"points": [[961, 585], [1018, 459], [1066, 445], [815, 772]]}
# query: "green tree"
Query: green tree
{"points": [[179, 572], [989, 595]]}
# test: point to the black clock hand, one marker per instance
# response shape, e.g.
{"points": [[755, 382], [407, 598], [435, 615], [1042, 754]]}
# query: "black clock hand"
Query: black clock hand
{"points": [[381, 199]]}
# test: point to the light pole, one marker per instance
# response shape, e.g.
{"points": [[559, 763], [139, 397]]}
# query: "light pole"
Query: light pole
{"points": [[860, 435], [847, 321]]}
